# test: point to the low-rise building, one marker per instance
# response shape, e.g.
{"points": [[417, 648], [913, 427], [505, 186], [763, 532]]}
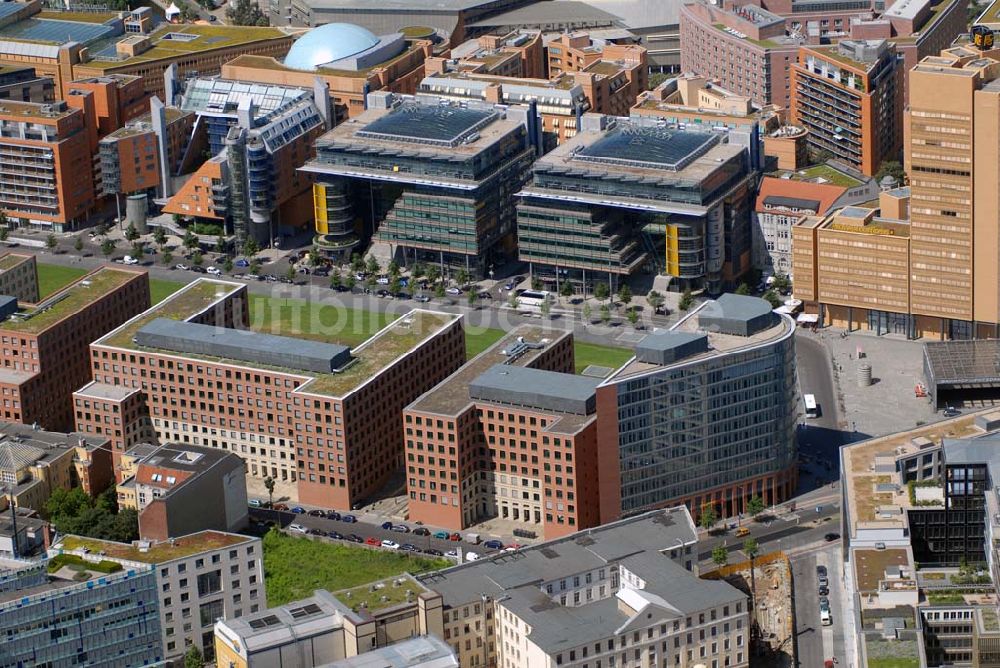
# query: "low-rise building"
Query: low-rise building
{"points": [[781, 205], [179, 489], [19, 277], [25, 85], [518, 53], [421, 652], [197, 580]]}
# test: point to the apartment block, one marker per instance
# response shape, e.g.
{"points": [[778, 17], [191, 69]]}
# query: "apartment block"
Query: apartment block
{"points": [[436, 180], [512, 434], [197, 579], [111, 619], [34, 463], [183, 489], [362, 623], [44, 345], [25, 85], [781, 205], [591, 199], [19, 277], [518, 53], [115, 99], [323, 416], [850, 99]]}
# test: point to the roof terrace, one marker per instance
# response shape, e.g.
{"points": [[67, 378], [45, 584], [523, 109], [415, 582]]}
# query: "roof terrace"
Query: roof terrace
{"points": [[151, 553]]}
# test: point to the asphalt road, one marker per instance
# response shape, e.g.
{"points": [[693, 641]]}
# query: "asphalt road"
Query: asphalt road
{"points": [[819, 438]]}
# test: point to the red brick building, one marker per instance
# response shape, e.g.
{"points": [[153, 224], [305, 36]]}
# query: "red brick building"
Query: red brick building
{"points": [[43, 347]]}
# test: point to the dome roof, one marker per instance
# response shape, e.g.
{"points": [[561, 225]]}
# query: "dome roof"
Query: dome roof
{"points": [[327, 43]]}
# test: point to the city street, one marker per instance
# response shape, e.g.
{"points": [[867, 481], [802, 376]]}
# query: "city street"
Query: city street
{"points": [[816, 642]]}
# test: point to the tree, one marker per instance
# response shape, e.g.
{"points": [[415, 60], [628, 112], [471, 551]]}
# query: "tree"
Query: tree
{"points": [[566, 289], [177, 219], [891, 168], [781, 283], [312, 257], [395, 285], [587, 311], [708, 517], [720, 555], [4, 232], [632, 316], [197, 259], [624, 294], [605, 314], [245, 13], [72, 511], [462, 278], [393, 268], [350, 281], [357, 264], [254, 267], [228, 265], [190, 240], [66, 502], [433, 273], [470, 298], [193, 658], [131, 234], [370, 283], [160, 237], [417, 270], [755, 506], [51, 242], [687, 301], [138, 248], [439, 291], [290, 272], [654, 299], [772, 297], [101, 229], [336, 282], [251, 247], [743, 289], [512, 300], [536, 283], [601, 291], [167, 257], [108, 247], [220, 243], [78, 244], [269, 486], [372, 266]]}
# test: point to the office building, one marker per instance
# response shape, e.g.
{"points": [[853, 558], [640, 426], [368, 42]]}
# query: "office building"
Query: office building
{"points": [[54, 619], [463, 462], [44, 345], [517, 53], [24, 85], [781, 205], [435, 180], [348, 59], [850, 99], [19, 277], [751, 49], [567, 601], [197, 579], [370, 620], [180, 489], [259, 135], [329, 420], [34, 463], [142, 156], [114, 99], [598, 209]]}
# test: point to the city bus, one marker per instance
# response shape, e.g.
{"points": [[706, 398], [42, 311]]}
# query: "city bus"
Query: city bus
{"points": [[532, 300], [812, 408]]}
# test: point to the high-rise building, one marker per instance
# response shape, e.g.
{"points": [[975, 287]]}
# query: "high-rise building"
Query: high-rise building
{"points": [[44, 346], [850, 99], [329, 425]]}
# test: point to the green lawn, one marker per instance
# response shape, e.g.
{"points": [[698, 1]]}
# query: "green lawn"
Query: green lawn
{"points": [[160, 289], [591, 353], [51, 277], [294, 567], [893, 663], [478, 341]]}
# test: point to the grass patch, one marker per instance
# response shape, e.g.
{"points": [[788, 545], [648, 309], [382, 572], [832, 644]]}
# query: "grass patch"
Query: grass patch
{"points": [[893, 663], [295, 567], [591, 353], [79, 563], [51, 277], [160, 289], [831, 175], [315, 320], [480, 341], [945, 599]]}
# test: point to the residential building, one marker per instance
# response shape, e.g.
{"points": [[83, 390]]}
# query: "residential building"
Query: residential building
{"points": [[328, 423], [515, 53], [179, 489], [463, 462], [24, 85], [116, 99], [260, 134], [198, 579], [782, 204], [850, 99], [33, 534], [689, 188], [420, 652], [19, 277], [34, 463], [546, 604], [348, 59], [366, 621], [751, 47], [110, 619], [144, 155], [436, 180], [44, 345]]}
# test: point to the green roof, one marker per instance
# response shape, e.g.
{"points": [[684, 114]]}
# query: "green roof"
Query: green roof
{"points": [[69, 300], [369, 597], [157, 553], [11, 260]]}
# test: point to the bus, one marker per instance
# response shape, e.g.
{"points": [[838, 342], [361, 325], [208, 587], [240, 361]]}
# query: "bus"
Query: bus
{"points": [[812, 408], [532, 300]]}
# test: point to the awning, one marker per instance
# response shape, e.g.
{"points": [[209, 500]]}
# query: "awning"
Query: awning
{"points": [[807, 318]]}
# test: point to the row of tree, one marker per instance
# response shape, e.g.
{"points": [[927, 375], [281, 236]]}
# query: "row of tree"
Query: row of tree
{"points": [[73, 511]]}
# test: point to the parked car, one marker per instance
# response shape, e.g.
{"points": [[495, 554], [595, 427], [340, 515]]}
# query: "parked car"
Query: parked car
{"points": [[453, 291], [452, 553], [400, 528], [333, 515], [255, 503], [350, 519], [299, 510], [742, 531], [214, 271], [128, 259], [423, 299], [317, 513], [354, 538], [455, 537], [494, 544], [830, 537], [372, 540], [951, 411], [359, 276], [421, 531], [298, 528], [390, 544], [335, 534], [443, 535], [471, 556], [198, 270], [242, 262], [387, 526], [824, 591], [434, 553], [316, 532], [383, 294], [485, 294], [382, 280], [409, 547], [181, 266], [280, 506]]}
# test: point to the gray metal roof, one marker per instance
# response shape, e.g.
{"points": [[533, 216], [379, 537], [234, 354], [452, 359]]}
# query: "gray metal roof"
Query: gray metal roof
{"points": [[536, 388], [657, 148], [247, 346], [668, 347], [547, 13], [640, 13], [423, 123], [740, 315], [971, 363], [792, 202]]}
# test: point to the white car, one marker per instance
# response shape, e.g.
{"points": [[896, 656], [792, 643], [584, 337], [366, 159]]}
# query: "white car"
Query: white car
{"points": [[453, 291], [382, 280], [471, 556], [390, 544], [298, 528], [182, 267], [452, 553], [128, 259], [214, 271]]}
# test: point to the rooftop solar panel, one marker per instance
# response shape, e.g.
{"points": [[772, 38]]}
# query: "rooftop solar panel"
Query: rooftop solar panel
{"points": [[423, 124], [654, 148], [56, 32]]}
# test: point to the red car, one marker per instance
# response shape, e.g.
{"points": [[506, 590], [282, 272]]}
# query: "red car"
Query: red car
{"points": [[280, 506], [455, 537], [372, 540]]}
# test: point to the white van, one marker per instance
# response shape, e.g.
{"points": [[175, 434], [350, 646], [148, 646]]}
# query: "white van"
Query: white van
{"points": [[825, 618], [471, 556]]}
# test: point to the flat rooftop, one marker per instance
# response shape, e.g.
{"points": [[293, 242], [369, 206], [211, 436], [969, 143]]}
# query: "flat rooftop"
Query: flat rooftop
{"points": [[105, 391], [157, 553], [652, 148], [963, 364], [18, 111], [512, 385], [419, 124], [55, 31], [382, 594], [68, 301], [11, 260]]}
